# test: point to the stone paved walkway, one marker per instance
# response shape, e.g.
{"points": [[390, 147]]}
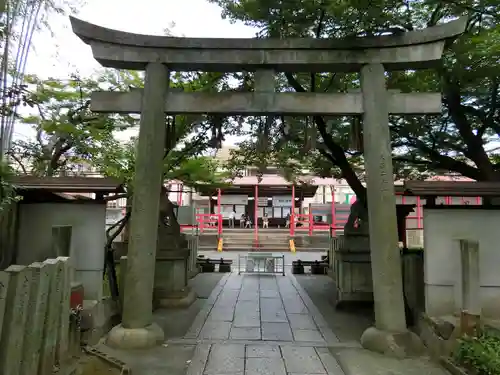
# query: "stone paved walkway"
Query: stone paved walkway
{"points": [[261, 325]]}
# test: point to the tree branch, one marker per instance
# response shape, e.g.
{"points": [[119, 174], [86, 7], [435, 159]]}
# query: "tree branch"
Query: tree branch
{"points": [[18, 161]]}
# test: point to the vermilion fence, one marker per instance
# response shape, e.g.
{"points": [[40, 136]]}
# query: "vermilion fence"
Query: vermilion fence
{"points": [[206, 221], [340, 212]]}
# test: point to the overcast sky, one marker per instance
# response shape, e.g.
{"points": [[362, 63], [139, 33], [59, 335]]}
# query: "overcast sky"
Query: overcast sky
{"points": [[62, 54]]}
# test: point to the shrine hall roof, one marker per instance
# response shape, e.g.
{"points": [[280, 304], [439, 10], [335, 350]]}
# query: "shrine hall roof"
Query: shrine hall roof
{"points": [[68, 184], [452, 188], [270, 184]]}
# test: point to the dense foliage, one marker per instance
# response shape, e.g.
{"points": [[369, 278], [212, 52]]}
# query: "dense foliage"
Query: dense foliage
{"points": [[480, 354], [462, 140]]}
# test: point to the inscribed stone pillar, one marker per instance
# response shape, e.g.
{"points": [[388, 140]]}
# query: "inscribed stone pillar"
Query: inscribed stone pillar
{"points": [[36, 319], [382, 220], [470, 313], [48, 349], [137, 329], [16, 315]]}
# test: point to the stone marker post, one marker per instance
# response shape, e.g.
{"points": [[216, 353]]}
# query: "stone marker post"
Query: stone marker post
{"points": [[33, 334], [51, 328], [137, 329], [470, 314], [382, 220], [64, 312], [4, 285], [16, 314]]}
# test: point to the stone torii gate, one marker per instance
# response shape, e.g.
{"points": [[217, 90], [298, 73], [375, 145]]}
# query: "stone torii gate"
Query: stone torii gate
{"points": [[372, 57]]}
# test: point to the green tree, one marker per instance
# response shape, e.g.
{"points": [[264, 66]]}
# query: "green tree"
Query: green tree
{"points": [[67, 132], [461, 140]]}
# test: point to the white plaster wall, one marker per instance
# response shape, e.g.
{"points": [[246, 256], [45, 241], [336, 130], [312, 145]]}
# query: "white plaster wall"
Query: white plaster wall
{"points": [[88, 238], [443, 230]]}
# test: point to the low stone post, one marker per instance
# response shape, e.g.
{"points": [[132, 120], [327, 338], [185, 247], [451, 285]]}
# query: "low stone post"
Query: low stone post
{"points": [[390, 335], [14, 321], [470, 314], [50, 330], [4, 286], [33, 335], [137, 329], [64, 311]]}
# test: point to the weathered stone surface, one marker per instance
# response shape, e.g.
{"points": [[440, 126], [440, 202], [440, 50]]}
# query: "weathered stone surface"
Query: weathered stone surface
{"points": [[276, 331], [397, 345], [215, 330], [135, 338], [258, 351], [385, 256], [245, 333], [226, 359], [247, 321], [307, 335], [4, 286], [254, 104], [16, 315], [265, 366], [301, 321], [50, 330], [33, 335], [364, 362], [294, 306], [139, 277], [221, 314], [415, 50], [330, 363], [64, 312], [199, 360], [302, 360]]}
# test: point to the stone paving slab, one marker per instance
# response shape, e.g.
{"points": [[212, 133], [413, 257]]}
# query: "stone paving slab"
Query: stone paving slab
{"points": [[364, 362], [262, 359], [268, 325]]}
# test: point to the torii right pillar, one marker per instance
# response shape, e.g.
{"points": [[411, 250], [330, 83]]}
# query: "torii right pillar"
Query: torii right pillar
{"points": [[390, 329]]}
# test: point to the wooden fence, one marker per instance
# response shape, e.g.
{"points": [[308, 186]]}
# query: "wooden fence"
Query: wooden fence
{"points": [[35, 332]]}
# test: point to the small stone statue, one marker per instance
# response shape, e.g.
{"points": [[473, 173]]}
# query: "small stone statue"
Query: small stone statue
{"points": [[169, 231], [357, 222]]}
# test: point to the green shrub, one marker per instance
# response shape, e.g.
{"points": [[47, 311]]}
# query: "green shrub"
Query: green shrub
{"points": [[480, 354]]}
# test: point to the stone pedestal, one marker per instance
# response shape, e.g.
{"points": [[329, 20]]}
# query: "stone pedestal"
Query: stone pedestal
{"points": [[353, 269], [172, 261], [171, 277]]}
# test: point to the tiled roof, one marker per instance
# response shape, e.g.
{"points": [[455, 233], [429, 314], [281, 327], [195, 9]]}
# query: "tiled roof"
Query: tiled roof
{"points": [[68, 184]]}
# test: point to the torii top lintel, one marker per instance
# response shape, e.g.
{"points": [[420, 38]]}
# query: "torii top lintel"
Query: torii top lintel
{"points": [[411, 50]]}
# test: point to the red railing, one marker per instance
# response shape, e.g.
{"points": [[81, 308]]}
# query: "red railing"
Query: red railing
{"points": [[306, 222], [209, 221]]}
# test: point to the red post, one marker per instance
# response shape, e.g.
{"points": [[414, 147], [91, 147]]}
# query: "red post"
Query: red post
{"points": [[179, 194], [218, 200], [219, 218], [419, 213], [209, 213], [292, 214], [334, 215], [311, 222], [256, 212], [478, 200]]}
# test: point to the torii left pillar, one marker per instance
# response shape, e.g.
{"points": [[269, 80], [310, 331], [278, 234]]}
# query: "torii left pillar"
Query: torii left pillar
{"points": [[138, 330]]}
